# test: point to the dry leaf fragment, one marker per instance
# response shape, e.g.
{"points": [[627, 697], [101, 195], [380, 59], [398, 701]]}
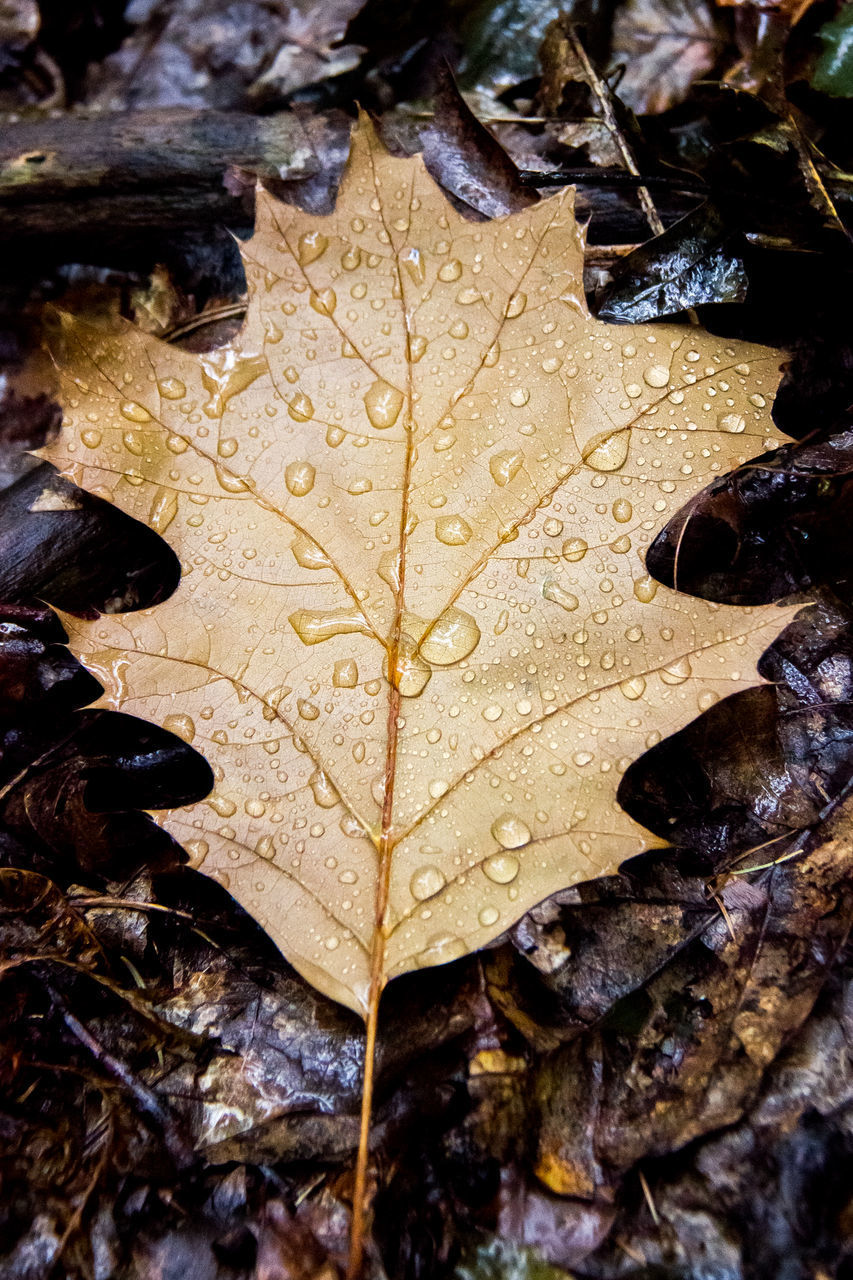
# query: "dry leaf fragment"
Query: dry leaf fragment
{"points": [[415, 636]]}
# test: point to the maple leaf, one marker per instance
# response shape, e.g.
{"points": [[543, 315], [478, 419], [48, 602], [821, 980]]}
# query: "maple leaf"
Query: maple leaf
{"points": [[414, 636]]}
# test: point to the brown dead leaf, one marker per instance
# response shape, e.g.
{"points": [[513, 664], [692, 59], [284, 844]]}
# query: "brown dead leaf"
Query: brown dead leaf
{"points": [[664, 45], [415, 636]]}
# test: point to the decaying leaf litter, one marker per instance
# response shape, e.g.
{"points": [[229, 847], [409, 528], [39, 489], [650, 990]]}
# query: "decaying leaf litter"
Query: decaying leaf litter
{"points": [[807, 725]]}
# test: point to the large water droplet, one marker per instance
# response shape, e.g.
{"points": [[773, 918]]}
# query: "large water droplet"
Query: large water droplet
{"points": [[502, 868], [134, 412], [383, 404], [488, 916], [345, 674], [574, 549], [552, 590], [299, 478], [622, 510], [164, 508], [453, 531], [412, 260], [426, 882], [311, 246], [411, 673], [510, 831], [645, 589], [324, 302], [307, 553], [504, 466], [171, 388], [633, 688], [315, 625], [181, 725], [677, 672], [300, 407], [734, 423], [607, 453], [441, 949], [452, 637], [515, 306], [323, 789]]}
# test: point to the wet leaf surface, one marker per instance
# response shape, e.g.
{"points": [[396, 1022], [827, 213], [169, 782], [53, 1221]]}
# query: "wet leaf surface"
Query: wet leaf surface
{"points": [[174, 1098]]}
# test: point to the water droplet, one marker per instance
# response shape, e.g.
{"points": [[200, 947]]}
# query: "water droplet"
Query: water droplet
{"points": [[501, 868], [383, 404], [311, 246], [222, 805], [574, 549], [255, 808], [91, 439], [224, 375], [426, 882], [441, 949], [227, 447], [609, 453], [417, 347], [519, 397], [307, 553], [164, 508], [504, 466], [492, 356], [633, 688], [411, 673], [450, 271], [488, 916], [324, 301], [307, 709], [502, 622], [452, 637], [183, 726], [622, 510], [453, 531], [300, 407], [515, 306], [707, 699], [315, 625], [134, 412], [345, 674], [645, 589], [176, 444], [677, 672], [198, 851], [581, 758], [552, 591], [510, 833], [323, 789], [459, 329], [334, 437], [299, 478], [351, 258], [359, 486], [758, 401], [229, 482], [412, 260], [621, 545], [171, 388], [492, 712], [656, 376], [735, 423]]}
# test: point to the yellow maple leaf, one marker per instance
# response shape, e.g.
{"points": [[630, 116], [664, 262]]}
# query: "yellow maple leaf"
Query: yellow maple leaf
{"points": [[414, 636]]}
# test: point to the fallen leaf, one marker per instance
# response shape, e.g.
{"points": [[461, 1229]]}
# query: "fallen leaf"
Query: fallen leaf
{"points": [[664, 45], [415, 636]]}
